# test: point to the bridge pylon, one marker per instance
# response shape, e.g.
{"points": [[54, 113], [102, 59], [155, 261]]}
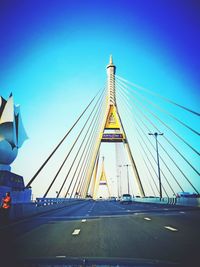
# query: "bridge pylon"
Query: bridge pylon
{"points": [[101, 181], [111, 130]]}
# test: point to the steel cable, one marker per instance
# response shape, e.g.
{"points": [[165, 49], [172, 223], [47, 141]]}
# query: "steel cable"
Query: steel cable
{"points": [[84, 138], [81, 131], [55, 149], [154, 160], [185, 159], [161, 109], [158, 95], [139, 110]]}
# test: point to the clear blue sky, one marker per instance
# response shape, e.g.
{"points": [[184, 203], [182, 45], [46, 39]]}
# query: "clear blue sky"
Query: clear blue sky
{"points": [[53, 56]]}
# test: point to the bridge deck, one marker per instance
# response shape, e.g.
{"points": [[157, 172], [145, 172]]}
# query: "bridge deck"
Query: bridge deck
{"points": [[105, 229]]}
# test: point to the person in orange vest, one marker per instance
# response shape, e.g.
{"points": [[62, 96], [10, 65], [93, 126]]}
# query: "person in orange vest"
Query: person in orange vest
{"points": [[6, 205]]}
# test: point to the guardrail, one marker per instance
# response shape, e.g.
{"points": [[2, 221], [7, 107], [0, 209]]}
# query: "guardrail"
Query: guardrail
{"points": [[52, 201], [182, 201], [40, 205]]}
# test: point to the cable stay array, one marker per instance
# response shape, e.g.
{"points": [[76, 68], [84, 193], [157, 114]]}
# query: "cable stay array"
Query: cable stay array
{"points": [[141, 103], [92, 110], [158, 95], [152, 157], [89, 133], [147, 147], [178, 156], [147, 118]]}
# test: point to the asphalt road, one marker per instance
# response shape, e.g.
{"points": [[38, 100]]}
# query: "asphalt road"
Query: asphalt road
{"points": [[104, 229]]}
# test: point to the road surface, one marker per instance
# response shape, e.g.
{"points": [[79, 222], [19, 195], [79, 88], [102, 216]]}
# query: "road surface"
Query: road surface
{"points": [[105, 230]]}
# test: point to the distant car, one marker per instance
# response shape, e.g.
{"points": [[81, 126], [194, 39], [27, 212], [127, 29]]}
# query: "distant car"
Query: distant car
{"points": [[112, 198], [88, 196], [126, 199]]}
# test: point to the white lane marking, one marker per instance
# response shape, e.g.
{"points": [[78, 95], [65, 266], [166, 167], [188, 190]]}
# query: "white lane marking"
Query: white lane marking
{"points": [[76, 232], [171, 228], [166, 209], [182, 212], [128, 210], [60, 256], [147, 219], [84, 220]]}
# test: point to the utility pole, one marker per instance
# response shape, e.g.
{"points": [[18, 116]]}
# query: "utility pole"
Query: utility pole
{"points": [[159, 177], [126, 165]]}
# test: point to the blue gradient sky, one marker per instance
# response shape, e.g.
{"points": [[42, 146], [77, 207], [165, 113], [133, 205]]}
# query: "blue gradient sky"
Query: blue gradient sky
{"points": [[53, 54]]}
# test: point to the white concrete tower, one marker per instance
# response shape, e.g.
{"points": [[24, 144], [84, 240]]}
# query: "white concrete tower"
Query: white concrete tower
{"points": [[111, 69]]}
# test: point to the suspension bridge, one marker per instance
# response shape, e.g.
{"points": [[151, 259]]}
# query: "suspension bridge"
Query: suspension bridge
{"points": [[128, 140]]}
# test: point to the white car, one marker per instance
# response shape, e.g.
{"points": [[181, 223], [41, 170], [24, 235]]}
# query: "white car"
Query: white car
{"points": [[126, 199]]}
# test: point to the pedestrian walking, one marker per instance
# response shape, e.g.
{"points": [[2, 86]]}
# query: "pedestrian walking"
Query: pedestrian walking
{"points": [[5, 208]]}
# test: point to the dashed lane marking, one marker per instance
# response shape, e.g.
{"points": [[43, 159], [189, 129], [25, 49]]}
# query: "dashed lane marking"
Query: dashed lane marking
{"points": [[147, 219], [76, 232], [171, 228], [61, 256], [183, 212]]}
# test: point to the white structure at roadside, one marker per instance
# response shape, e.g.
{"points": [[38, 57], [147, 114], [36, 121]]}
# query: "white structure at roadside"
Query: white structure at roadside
{"points": [[12, 132]]}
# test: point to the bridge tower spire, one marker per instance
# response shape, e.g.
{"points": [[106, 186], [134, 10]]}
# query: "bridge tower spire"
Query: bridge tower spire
{"points": [[102, 181], [112, 130], [111, 69]]}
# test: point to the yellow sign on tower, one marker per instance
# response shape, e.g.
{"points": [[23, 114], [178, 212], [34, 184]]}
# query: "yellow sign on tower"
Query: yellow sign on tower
{"points": [[112, 121]]}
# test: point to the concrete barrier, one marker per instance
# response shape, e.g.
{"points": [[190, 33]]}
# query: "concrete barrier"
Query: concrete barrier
{"points": [[186, 201], [182, 201], [152, 200], [22, 210]]}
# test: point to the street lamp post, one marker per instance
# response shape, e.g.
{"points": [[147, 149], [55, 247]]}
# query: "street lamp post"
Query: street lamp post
{"points": [[119, 181], [118, 186], [128, 178], [159, 177]]}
